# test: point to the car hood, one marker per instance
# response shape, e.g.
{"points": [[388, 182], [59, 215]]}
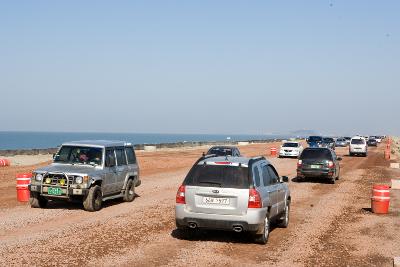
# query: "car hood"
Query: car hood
{"points": [[70, 169]]}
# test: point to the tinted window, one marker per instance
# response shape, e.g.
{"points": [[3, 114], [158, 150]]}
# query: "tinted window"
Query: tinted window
{"points": [[266, 176], [328, 140], [256, 175], [121, 159], [110, 158], [273, 175], [357, 141], [290, 145], [218, 176], [341, 139], [130, 154], [316, 154]]}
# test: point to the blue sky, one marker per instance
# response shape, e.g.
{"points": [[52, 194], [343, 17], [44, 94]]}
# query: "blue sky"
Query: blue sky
{"points": [[200, 67]]}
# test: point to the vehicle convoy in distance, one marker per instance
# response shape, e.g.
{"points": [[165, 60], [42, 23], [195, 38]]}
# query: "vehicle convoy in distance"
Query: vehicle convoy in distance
{"points": [[224, 151], [89, 172], [290, 149], [318, 163], [358, 146], [235, 194]]}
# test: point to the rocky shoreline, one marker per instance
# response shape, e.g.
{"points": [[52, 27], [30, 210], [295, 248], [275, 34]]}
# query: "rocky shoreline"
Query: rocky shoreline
{"points": [[45, 151]]}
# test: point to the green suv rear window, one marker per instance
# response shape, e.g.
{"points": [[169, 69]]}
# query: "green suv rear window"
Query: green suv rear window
{"points": [[218, 176]]}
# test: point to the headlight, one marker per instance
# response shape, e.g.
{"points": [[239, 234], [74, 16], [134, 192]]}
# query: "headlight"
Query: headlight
{"points": [[78, 180], [39, 177]]}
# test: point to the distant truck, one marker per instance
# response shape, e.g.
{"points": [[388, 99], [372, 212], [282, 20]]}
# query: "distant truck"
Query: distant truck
{"points": [[89, 172]]}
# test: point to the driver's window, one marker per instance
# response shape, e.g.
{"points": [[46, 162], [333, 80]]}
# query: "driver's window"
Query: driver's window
{"points": [[110, 158]]}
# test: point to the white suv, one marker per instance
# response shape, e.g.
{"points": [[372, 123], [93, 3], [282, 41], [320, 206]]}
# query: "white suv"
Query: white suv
{"points": [[358, 146]]}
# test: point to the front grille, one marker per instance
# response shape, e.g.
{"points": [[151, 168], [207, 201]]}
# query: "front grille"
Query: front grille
{"points": [[56, 179]]}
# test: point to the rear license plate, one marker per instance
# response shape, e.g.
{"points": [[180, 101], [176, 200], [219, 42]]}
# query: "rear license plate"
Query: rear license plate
{"points": [[54, 191], [315, 166], [215, 200]]}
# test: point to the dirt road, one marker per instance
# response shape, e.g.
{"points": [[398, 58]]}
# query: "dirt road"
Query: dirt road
{"points": [[330, 225]]}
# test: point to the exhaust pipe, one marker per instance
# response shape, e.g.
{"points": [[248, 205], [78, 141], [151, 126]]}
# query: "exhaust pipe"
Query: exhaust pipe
{"points": [[237, 229], [192, 225]]}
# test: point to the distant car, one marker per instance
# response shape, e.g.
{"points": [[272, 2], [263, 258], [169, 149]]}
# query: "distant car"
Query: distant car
{"points": [[224, 151], [341, 142], [319, 163], [233, 194], [290, 149], [348, 139], [358, 146], [328, 142], [314, 141], [372, 142], [377, 138]]}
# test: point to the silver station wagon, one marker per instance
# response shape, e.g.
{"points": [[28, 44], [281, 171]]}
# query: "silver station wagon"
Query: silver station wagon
{"points": [[89, 172], [235, 194]]}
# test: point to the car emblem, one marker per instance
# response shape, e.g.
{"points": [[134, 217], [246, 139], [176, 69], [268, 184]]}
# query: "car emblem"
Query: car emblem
{"points": [[215, 191]]}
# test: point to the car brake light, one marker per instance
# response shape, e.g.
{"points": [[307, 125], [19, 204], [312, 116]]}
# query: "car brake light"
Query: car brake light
{"points": [[331, 164], [223, 163], [299, 163], [254, 199], [180, 195]]}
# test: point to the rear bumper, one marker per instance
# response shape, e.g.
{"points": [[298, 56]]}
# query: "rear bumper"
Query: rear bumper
{"points": [[325, 173], [252, 221]]}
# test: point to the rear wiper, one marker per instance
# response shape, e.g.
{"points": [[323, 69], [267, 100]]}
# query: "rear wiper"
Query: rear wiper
{"points": [[208, 182]]}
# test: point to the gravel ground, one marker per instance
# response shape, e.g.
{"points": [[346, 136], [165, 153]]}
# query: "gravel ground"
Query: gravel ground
{"points": [[331, 225]]}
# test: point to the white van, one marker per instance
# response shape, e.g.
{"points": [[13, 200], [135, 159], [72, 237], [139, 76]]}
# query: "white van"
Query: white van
{"points": [[358, 146]]}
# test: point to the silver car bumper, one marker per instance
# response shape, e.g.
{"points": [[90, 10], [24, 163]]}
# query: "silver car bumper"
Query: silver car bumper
{"points": [[252, 221]]}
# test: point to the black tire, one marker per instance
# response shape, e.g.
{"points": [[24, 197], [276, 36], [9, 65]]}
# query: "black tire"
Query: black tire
{"points": [[93, 199], [333, 180], [129, 194], [263, 237], [37, 201], [350, 154], [284, 222]]}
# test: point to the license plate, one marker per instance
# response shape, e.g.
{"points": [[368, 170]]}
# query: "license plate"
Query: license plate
{"points": [[215, 200], [54, 191], [315, 166]]}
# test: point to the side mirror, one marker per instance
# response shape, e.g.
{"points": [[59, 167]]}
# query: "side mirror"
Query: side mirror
{"points": [[339, 159], [285, 179], [54, 155]]}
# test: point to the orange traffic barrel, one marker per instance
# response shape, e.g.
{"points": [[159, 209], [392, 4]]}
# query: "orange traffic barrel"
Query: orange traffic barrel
{"points": [[380, 199], [23, 180], [387, 153], [4, 162], [273, 151]]}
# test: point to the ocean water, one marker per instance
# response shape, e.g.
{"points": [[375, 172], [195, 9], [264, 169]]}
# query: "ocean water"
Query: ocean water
{"points": [[31, 140]]}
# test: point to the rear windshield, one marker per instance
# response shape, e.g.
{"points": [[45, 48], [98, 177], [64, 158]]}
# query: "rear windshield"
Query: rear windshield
{"points": [[220, 151], [329, 140], [357, 141], [290, 145], [341, 140], [315, 139], [218, 176], [316, 154]]}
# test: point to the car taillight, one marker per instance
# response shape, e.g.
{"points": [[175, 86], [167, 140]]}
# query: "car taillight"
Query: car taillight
{"points": [[299, 163], [180, 195], [254, 199], [331, 164]]}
